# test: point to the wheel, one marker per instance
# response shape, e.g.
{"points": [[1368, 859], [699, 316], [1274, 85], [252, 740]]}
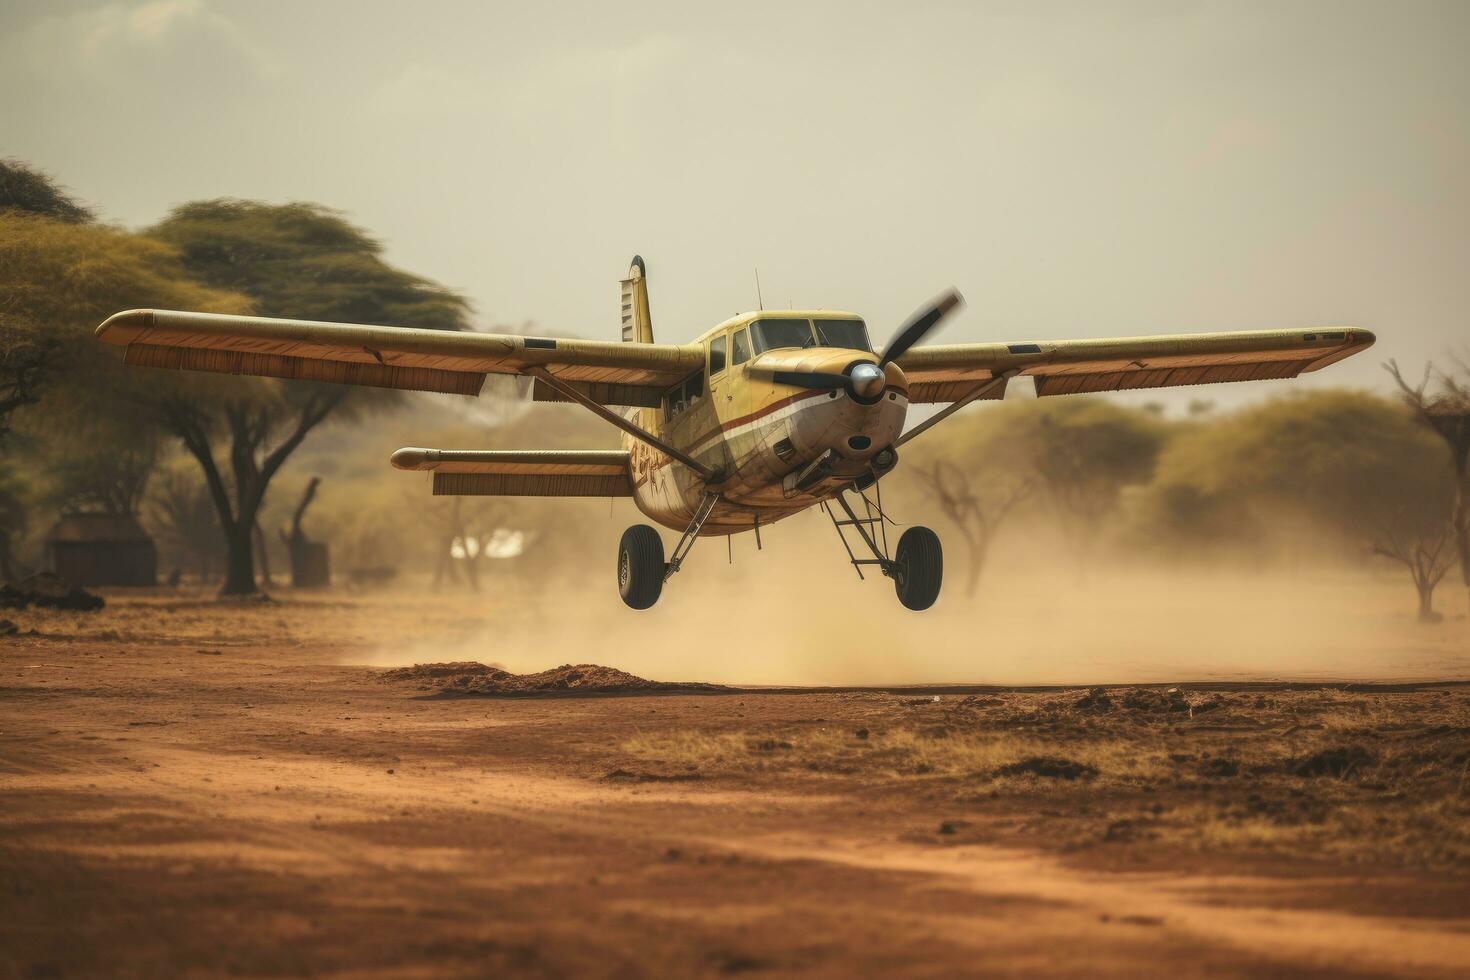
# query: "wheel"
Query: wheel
{"points": [[918, 568], [640, 566]]}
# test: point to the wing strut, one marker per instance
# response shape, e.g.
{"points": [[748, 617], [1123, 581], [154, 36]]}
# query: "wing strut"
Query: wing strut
{"points": [[979, 391], [636, 431]]}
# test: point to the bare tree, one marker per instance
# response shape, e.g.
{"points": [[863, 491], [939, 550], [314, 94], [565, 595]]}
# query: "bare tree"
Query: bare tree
{"points": [[186, 520], [261, 438], [1445, 409], [977, 519], [1425, 554]]}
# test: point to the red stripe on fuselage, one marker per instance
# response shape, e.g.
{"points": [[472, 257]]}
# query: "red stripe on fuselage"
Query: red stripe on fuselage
{"points": [[726, 427]]}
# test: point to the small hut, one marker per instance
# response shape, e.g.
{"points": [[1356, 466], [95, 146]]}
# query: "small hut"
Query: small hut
{"points": [[102, 549]]}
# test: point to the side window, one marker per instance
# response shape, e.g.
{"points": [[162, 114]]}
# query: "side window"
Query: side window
{"points": [[716, 355], [683, 396], [739, 347]]}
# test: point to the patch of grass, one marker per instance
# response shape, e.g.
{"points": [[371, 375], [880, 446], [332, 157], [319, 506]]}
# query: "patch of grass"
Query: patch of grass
{"points": [[1355, 776], [900, 752]]}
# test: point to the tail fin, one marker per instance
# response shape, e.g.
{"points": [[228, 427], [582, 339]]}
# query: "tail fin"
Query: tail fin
{"points": [[637, 325]]}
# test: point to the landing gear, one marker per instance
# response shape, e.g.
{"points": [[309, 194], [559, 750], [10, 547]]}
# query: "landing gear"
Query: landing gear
{"points": [[640, 566], [917, 565], [918, 568], [642, 570]]}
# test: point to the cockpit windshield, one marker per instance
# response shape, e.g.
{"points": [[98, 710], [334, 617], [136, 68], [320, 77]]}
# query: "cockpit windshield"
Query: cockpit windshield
{"points": [[849, 334], [774, 334]]}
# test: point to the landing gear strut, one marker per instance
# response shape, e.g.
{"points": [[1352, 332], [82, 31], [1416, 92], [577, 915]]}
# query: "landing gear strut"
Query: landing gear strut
{"points": [[917, 565], [642, 570]]}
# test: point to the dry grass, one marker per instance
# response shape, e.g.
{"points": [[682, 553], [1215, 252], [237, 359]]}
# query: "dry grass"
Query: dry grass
{"points": [[898, 752], [1359, 776]]}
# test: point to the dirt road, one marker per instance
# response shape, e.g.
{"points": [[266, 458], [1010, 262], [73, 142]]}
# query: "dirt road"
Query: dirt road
{"points": [[201, 790]]}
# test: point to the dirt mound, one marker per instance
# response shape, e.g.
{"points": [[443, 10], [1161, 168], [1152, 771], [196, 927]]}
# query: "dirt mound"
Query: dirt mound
{"points": [[47, 591], [458, 668], [476, 679]]}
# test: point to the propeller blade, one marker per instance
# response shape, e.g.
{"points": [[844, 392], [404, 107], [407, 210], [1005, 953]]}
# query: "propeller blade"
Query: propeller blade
{"points": [[920, 324], [810, 379]]}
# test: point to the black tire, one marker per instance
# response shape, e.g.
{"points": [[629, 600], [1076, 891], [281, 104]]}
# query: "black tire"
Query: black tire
{"points": [[640, 566], [918, 568]]}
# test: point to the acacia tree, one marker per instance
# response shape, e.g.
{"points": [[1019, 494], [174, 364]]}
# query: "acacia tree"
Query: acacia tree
{"points": [[26, 356], [300, 261], [1310, 472], [60, 278], [977, 515], [1423, 551], [1445, 410], [25, 188], [26, 350], [1083, 454]]}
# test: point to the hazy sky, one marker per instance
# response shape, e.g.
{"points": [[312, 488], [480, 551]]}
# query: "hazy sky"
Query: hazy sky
{"points": [[1076, 169]]}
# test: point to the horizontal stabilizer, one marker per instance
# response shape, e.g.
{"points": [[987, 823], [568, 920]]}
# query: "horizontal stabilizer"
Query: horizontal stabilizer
{"points": [[522, 473]]}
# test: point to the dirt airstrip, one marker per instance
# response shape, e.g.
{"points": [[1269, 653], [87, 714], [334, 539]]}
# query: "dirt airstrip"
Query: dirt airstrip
{"points": [[189, 787]]}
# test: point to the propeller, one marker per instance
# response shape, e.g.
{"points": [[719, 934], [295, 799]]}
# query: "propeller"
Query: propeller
{"points": [[920, 324], [864, 379]]}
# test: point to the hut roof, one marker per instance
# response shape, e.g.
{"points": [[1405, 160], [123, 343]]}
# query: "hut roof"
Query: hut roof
{"points": [[97, 529]]}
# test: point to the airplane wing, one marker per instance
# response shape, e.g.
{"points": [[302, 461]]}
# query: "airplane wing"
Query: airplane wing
{"points": [[522, 473], [946, 373], [612, 373]]}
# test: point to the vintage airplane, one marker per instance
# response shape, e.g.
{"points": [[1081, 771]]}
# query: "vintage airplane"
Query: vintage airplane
{"points": [[761, 417]]}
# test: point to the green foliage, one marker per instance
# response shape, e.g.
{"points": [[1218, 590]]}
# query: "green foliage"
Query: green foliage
{"points": [[26, 189], [61, 280], [1080, 454], [298, 261], [1336, 461], [91, 427], [304, 262]]}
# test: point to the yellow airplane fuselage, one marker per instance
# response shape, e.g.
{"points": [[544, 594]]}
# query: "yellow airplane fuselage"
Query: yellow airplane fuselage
{"points": [[762, 437]]}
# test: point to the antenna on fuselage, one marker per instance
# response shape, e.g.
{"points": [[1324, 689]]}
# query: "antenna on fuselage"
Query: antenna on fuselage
{"points": [[760, 303]]}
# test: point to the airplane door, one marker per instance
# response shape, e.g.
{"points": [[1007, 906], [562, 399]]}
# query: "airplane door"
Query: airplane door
{"points": [[720, 387]]}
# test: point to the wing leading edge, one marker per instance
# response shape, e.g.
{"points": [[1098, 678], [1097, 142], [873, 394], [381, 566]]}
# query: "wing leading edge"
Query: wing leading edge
{"points": [[946, 373], [522, 473], [391, 357]]}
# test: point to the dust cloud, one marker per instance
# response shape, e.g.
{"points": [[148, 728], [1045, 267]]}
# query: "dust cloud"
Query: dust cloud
{"points": [[796, 614]]}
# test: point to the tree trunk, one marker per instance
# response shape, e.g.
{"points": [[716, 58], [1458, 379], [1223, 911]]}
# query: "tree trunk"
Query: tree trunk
{"points": [[262, 555], [249, 429], [975, 567], [1426, 604], [239, 560], [1460, 526]]}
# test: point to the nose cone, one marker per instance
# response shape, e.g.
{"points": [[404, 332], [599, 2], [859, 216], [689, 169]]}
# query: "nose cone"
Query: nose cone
{"points": [[867, 380]]}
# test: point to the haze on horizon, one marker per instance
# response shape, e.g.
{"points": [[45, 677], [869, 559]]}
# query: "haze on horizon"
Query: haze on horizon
{"points": [[1075, 170]]}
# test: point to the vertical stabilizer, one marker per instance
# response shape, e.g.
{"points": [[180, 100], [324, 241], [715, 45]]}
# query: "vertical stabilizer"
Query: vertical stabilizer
{"points": [[637, 325]]}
